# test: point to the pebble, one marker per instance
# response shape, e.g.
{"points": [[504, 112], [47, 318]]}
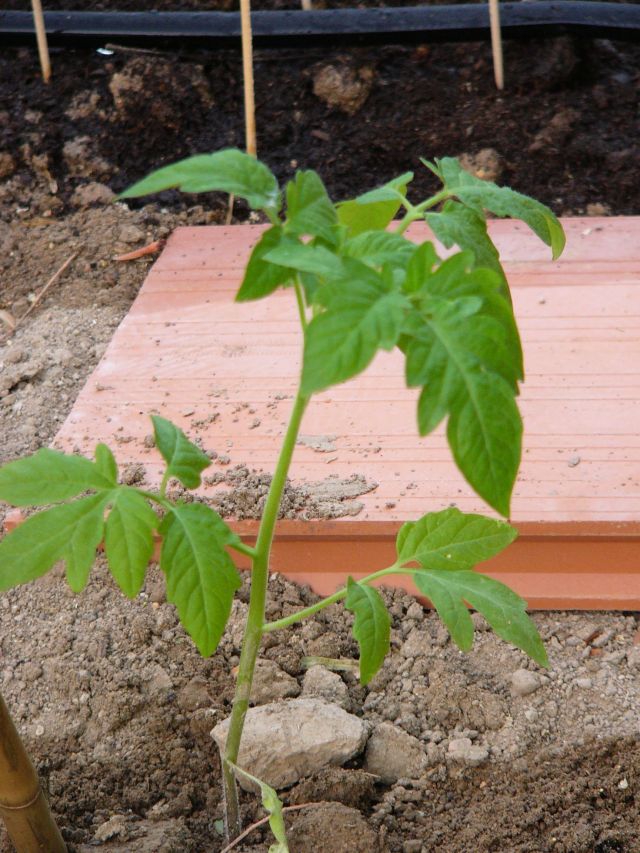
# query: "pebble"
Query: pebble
{"points": [[524, 682], [319, 681], [463, 750], [393, 754], [584, 683]]}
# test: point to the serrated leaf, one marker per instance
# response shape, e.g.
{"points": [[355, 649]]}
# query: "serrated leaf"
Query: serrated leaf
{"points": [[185, 461], [262, 277], [201, 577], [371, 627], [360, 319], [106, 463], [230, 171], [459, 225], [69, 531], [306, 257], [420, 267], [452, 540], [309, 209], [503, 202], [503, 609], [374, 210], [49, 476], [376, 248], [129, 539]]}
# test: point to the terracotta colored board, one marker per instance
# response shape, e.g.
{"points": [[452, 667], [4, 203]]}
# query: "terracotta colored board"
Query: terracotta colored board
{"points": [[225, 372]]}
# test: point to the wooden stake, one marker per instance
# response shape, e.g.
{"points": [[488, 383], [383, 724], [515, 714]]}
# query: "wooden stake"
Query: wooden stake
{"points": [[23, 806], [41, 38], [247, 70], [496, 43]]}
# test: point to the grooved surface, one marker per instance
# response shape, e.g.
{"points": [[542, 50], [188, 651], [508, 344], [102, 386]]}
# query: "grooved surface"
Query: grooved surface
{"points": [[186, 350]]}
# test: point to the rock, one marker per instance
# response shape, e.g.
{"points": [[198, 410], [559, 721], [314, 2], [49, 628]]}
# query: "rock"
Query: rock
{"points": [[92, 193], [597, 209], [319, 681], [7, 165], [556, 132], [343, 87], [165, 836], [81, 161], [633, 657], [131, 234], [284, 741], [393, 754], [584, 683], [463, 750], [416, 644], [270, 683], [115, 827], [524, 682], [487, 164], [346, 830]]}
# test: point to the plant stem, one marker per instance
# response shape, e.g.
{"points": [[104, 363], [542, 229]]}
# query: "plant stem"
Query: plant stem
{"points": [[255, 615], [286, 621], [415, 212]]}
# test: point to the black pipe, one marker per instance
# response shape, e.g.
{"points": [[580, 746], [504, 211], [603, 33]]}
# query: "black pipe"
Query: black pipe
{"points": [[298, 29]]}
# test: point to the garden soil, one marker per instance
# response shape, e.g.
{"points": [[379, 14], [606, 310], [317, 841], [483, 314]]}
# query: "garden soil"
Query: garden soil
{"points": [[113, 701]]}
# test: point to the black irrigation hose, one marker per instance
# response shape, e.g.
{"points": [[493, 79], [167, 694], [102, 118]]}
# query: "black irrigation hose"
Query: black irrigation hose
{"points": [[298, 29]]}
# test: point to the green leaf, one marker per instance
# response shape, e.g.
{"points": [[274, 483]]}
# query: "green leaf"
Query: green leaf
{"points": [[452, 540], [374, 210], [262, 277], [501, 201], [371, 627], [503, 609], [273, 805], [106, 463], [129, 539], [420, 267], [185, 460], [49, 476], [306, 257], [458, 225], [309, 208], [230, 171], [361, 318], [70, 531], [201, 577], [376, 248]]}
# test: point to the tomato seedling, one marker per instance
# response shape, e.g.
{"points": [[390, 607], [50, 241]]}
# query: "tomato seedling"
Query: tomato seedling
{"points": [[360, 286]]}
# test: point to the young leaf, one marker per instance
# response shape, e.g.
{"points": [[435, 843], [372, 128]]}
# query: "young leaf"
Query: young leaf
{"points": [[184, 460], [458, 225], [201, 577], [72, 531], [230, 171], [501, 201], [452, 540], [371, 628], [361, 318], [309, 208], [420, 267], [306, 257], [273, 805], [501, 607], [129, 539], [49, 476], [262, 277], [106, 463], [376, 248], [373, 211]]}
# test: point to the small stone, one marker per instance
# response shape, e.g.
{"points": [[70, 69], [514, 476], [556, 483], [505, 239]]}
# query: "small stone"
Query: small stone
{"points": [[131, 234], [574, 461], [92, 193], [15, 355], [633, 657], [463, 750], [271, 683], [415, 611], [598, 209], [393, 754], [623, 784], [417, 643], [115, 827], [531, 715], [319, 681], [584, 683], [195, 695], [602, 639], [343, 87], [284, 741], [487, 164], [524, 682]]}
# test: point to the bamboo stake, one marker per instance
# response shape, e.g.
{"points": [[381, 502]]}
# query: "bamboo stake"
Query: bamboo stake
{"points": [[23, 806], [41, 38], [496, 43], [247, 71]]}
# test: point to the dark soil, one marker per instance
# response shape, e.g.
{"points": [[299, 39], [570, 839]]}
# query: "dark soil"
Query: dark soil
{"points": [[112, 699]]}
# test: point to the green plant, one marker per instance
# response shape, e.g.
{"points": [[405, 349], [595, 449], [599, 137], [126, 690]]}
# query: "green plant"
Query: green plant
{"points": [[360, 286]]}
